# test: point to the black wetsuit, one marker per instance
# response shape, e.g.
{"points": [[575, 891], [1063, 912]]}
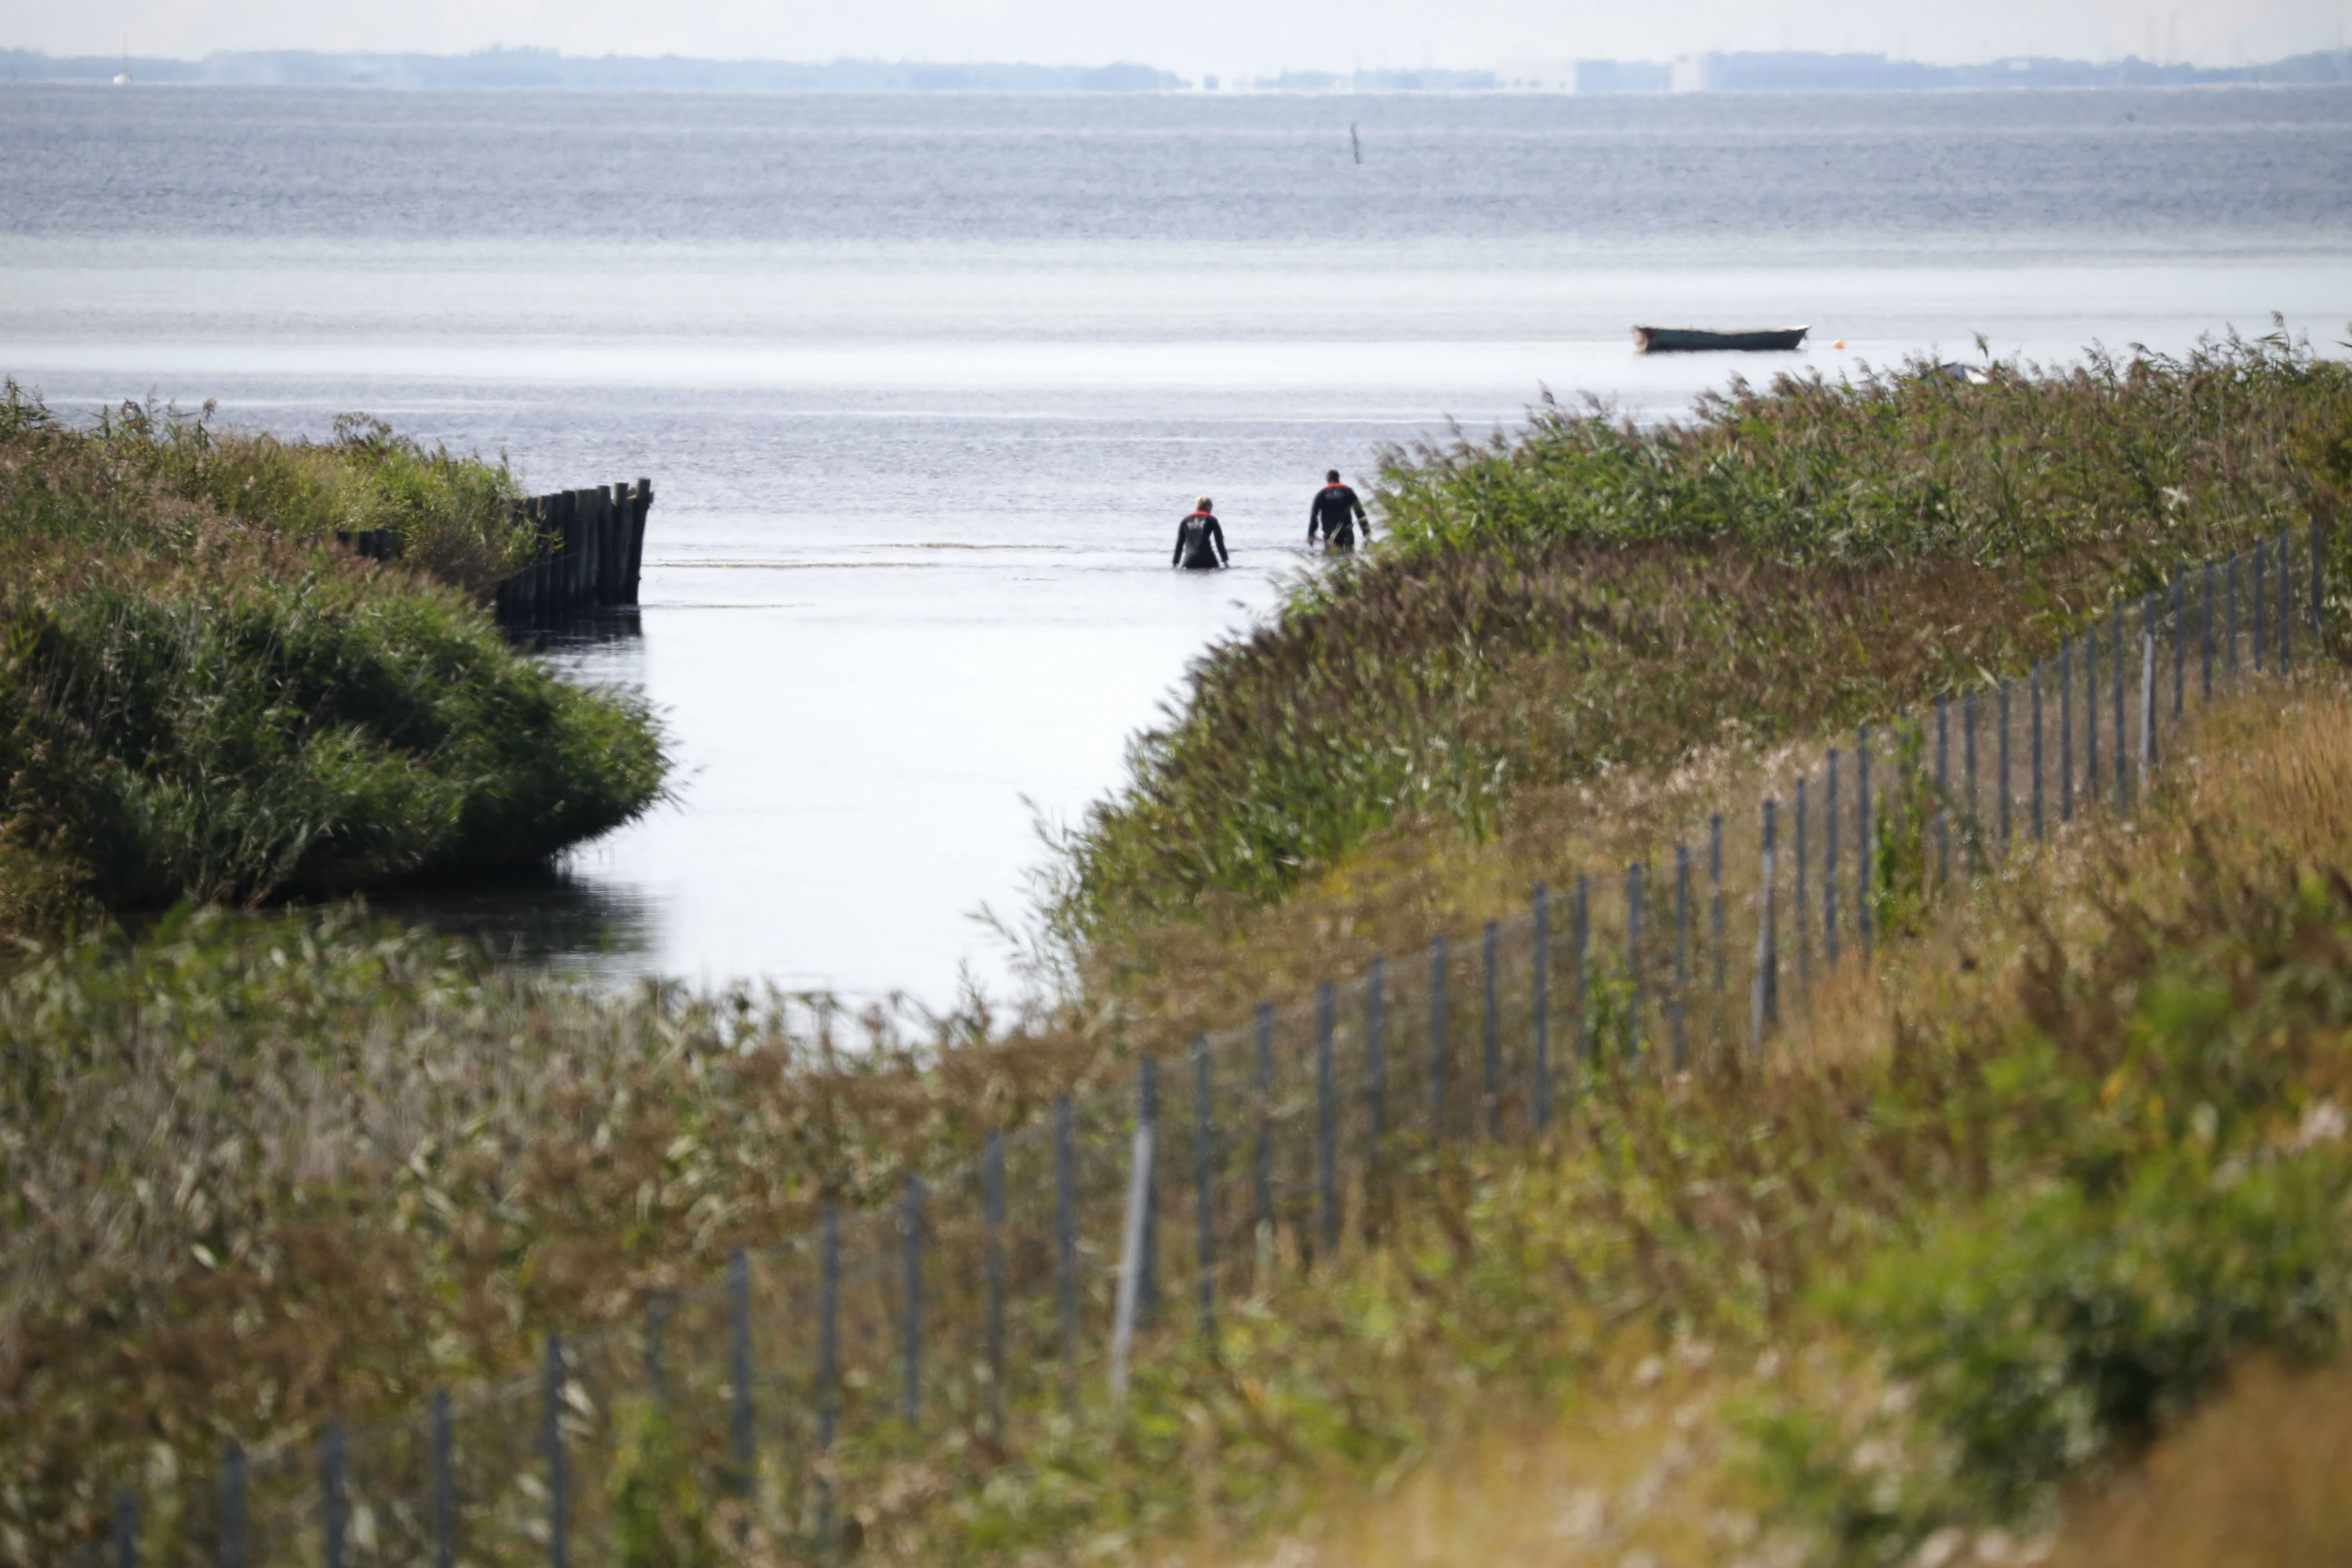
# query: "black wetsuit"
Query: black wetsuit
{"points": [[1200, 543], [1334, 516]]}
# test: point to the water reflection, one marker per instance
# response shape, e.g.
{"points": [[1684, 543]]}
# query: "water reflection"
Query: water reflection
{"points": [[545, 917]]}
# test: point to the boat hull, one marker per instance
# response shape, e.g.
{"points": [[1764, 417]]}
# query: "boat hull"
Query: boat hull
{"points": [[1690, 340]]}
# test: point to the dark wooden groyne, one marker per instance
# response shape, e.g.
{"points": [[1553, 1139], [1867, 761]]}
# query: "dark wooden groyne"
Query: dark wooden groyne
{"points": [[596, 545]]}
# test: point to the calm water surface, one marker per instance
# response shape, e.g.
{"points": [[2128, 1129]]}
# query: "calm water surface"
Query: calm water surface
{"points": [[923, 384]]}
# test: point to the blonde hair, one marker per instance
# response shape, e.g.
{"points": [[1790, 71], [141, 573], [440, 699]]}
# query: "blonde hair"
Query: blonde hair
{"points": [[1204, 504]]}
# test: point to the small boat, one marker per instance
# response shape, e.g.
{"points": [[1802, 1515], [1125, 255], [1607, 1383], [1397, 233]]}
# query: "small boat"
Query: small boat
{"points": [[1691, 340]]}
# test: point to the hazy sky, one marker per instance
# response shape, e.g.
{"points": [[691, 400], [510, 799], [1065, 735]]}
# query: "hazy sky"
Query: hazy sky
{"points": [[1234, 37]]}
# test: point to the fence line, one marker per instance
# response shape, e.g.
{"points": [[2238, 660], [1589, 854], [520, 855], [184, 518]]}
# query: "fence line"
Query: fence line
{"points": [[1003, 1290], [594, 550]]}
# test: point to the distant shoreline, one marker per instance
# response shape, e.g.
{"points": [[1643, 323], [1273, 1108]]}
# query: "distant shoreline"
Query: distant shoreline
{"points": [[509, 69]]}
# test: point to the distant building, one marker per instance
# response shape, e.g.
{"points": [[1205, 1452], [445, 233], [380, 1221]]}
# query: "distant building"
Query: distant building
{"points": [[1623, 76]]}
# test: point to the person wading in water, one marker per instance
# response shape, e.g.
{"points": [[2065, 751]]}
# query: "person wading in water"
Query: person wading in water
{"points": [[1335, 514], [1200, 543]]}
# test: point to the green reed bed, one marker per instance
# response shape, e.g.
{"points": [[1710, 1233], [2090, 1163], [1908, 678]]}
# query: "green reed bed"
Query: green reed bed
{"points": [[204, 696], [1583, 596], [257, 1173]]}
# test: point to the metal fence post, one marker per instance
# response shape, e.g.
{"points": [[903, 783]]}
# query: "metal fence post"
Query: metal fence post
{"points": [[445, 1489], [1634, 962], [1065, 1241], [233, 1490], [334, 1503], [1327, 1124], [558, 1482], [1490, 1030], [1829, 861], [1682, 949], [1539, 1002], [1764, 1001], [1863, 855], [993, 1201], [1147, 1109], [740, 1455], [1437, 1038], [1204, 1191]]}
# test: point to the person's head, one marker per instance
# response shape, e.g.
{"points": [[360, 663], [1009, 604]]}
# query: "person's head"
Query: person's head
{"points": [[1331, 478], [1204, 504]]}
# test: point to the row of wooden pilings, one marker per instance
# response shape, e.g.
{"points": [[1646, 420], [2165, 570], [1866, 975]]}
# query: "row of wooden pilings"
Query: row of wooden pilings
{"points": [[597, 540]]}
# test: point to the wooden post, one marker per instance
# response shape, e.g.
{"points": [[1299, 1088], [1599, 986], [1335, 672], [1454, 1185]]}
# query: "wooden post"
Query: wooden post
{"points": [[993, 1201], [559, 1481], [1261, 1161], [1682, 951], [2179, 642], [1437, 1038], [233, 1492], [1147, 1111], [1204, 1208], [334, 1500], [445, 1488], [912, 1238], [1634, 962], [1579, 935], [126, 1528], [1764, 1001], [1715, 895], [1943, 796], [1490, 1040], [740, 1429], [1539, 1002], [642, 503], [1829, 860], [828, 1366], [2091, 717], [1863, 855], [2065, 730], [1376, 1052], [1327, 1124], [1065, 1241]]}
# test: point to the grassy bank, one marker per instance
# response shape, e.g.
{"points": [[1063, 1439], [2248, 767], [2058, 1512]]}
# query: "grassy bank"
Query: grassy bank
{"points": [[2003, 1217], [203, 696], [1569, 621]]}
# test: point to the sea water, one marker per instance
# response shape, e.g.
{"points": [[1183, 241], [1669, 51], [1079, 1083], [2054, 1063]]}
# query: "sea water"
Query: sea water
{"points": [[924, 383]]}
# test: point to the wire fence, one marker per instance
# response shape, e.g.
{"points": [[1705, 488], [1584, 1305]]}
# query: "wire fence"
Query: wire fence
{"points": [[1024, 1287]]}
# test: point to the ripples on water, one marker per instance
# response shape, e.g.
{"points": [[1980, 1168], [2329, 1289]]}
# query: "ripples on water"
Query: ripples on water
{"points": [[923, 383]]}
